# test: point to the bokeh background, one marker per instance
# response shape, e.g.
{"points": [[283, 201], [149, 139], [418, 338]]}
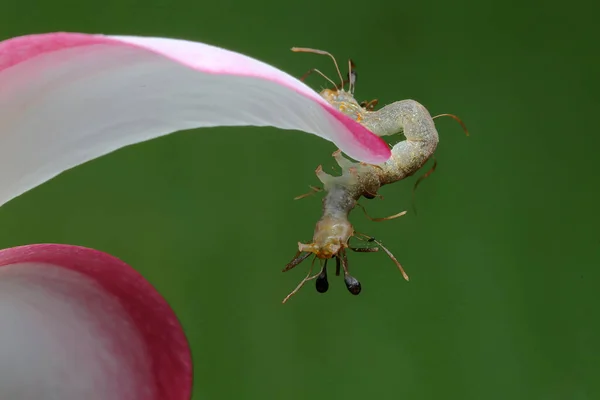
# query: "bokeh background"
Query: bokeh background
{"points": [[503, 254]]}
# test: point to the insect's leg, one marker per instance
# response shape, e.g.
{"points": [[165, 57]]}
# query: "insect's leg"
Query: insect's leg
{"points": [[369, 105], [432, 169], [310, 71], [352, 284], [341, 86], [454, 117], [381, 219], [298, 258], [321, 283], [363, 237], [307, 50], [425, 176], [370, 196], [389, 253], [337, 265], [364, 249], [306, 279], [313, 190], [350, 78]]}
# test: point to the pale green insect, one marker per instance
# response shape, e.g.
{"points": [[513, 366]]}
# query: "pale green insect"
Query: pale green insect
{"points": [[333, 231]]}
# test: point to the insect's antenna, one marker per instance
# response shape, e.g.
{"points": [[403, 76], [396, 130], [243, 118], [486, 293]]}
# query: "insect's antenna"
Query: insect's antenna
{"points": [[390, 255], [454, 117], [380, 219], [425, 176], [307, 50], [310, 71]]}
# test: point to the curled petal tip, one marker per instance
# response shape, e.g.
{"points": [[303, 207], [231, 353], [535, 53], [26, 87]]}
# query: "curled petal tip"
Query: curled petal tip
{"points": [[68, 98]]}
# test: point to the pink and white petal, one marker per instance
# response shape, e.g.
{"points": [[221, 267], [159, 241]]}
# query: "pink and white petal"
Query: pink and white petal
{"points": [[80, 324], [66, 98]]}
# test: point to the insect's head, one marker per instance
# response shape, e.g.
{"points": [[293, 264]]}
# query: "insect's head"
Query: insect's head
{"points": [[329, 241], [331, 236], [337, 96], [321, 282], [324, 250]]}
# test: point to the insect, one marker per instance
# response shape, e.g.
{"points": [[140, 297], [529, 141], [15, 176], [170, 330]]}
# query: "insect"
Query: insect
{"points": [[333, 230]]}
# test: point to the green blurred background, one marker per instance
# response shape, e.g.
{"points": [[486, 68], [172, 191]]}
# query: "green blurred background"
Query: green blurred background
{"points": [[503, 254]]}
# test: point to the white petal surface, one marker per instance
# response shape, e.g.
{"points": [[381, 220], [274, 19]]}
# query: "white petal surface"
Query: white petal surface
{"points": [[66, 98], [80, 324]]}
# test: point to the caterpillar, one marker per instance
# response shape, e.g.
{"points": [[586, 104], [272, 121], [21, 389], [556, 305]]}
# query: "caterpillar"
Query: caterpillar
{"points": [[333, 230]]}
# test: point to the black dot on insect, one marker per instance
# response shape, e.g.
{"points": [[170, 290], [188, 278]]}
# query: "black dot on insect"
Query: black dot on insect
{"points": [[322, 284], [352, 284]]}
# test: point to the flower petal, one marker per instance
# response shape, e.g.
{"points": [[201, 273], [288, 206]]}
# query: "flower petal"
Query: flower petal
{"points": [[66, 98], [80, 324]]}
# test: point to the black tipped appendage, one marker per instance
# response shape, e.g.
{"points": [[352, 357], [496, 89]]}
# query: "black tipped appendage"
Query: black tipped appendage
{"points": [[352, 284], [321, 283]]}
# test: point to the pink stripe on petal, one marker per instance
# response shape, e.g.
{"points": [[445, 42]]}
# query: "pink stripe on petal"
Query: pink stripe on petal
{"points": [[79, 323], [66, 98]]}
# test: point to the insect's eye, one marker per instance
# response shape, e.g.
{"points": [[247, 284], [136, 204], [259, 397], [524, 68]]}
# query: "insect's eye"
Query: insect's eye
{"points": [[352, 284]]}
